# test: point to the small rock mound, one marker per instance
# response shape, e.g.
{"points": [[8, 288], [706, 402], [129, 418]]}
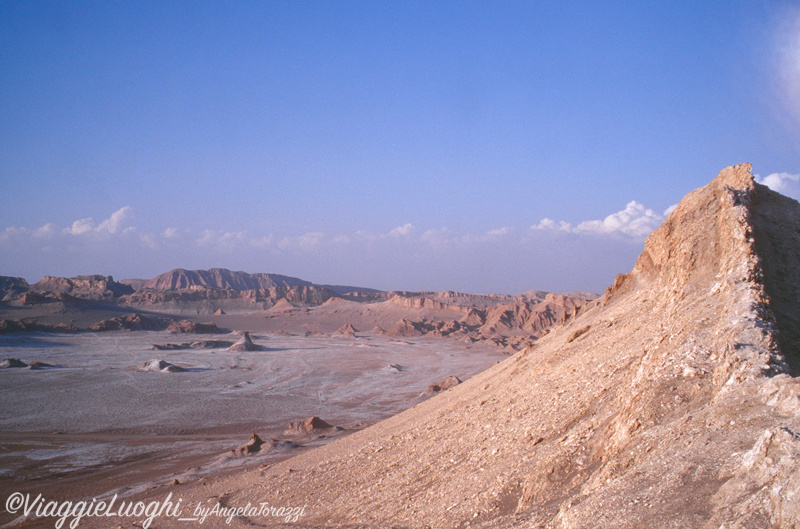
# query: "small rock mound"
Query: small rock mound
{"points": [[347, 330], [12, 362], [405, 328], [219, 312], [252, 446], [245, 344], [394, 368], [131, 322], [159, 366], [445, 384], [312, 425], [257, 445], [8, 326], [198, 344], [36, 364], [186, 326]]}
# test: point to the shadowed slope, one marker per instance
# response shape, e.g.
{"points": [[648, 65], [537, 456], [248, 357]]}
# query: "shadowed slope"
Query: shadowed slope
{"points": [[776, 230]]}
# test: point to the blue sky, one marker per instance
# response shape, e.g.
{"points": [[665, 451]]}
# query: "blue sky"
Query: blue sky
{"points": [[473, 146]]}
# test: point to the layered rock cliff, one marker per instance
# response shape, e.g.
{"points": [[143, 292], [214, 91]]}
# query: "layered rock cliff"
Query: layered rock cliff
{"points": [[95, 287], [221, 278]]}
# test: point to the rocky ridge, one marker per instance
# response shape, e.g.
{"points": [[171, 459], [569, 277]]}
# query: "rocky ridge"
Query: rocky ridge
{"points": [[94, 287], [668, 403], [508, 321]]}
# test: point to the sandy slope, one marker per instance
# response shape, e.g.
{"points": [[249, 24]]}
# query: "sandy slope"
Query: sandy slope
{"points": [[666, 405]]}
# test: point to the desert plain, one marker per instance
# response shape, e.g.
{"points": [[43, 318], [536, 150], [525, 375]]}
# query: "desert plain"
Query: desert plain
{"points": [[95, 423]]}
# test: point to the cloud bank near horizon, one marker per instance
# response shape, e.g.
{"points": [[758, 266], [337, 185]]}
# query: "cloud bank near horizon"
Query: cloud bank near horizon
{"points": [[550, 255], [502, 259]]}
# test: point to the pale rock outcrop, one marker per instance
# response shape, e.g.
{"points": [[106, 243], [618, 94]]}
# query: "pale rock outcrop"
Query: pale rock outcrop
{"points": [[311, 426], [160, 366], [245, 344]]}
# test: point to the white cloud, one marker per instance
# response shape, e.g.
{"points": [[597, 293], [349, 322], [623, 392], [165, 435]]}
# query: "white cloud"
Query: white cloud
{"points": [[500, 231], [262, 242], [170, 233], [405, 229], [784, 183], [46, 231], [117, 220], [550, 224], [12, 232], [220, 238], [113, 224], [437, 236], [148, 240], [309, 241], [306, 242], [81, 226], [635, 221]]}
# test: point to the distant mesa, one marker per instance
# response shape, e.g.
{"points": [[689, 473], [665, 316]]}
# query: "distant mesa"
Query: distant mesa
{"points": [[310, 426], [12, 287], [222, 278], [245, 344], [93, 287], [159, 366]]}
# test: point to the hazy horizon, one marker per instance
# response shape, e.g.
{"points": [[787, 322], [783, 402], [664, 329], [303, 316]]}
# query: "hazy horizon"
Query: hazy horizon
{"points": [[485, 148]]}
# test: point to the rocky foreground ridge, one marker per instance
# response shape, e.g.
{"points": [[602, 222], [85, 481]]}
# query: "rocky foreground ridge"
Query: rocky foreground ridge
{"points": [[671, 403]]}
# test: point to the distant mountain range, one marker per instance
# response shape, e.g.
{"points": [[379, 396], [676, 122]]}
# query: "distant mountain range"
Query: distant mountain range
{"points": [[507, 320], [180, 278], [99, 287]]}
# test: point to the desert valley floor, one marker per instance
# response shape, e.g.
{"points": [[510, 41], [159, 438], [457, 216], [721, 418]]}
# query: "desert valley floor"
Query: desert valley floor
{"points": [[98, 424]]}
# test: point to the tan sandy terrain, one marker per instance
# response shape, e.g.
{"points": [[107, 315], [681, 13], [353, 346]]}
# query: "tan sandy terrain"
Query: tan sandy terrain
{"points": [[670, 403]]}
